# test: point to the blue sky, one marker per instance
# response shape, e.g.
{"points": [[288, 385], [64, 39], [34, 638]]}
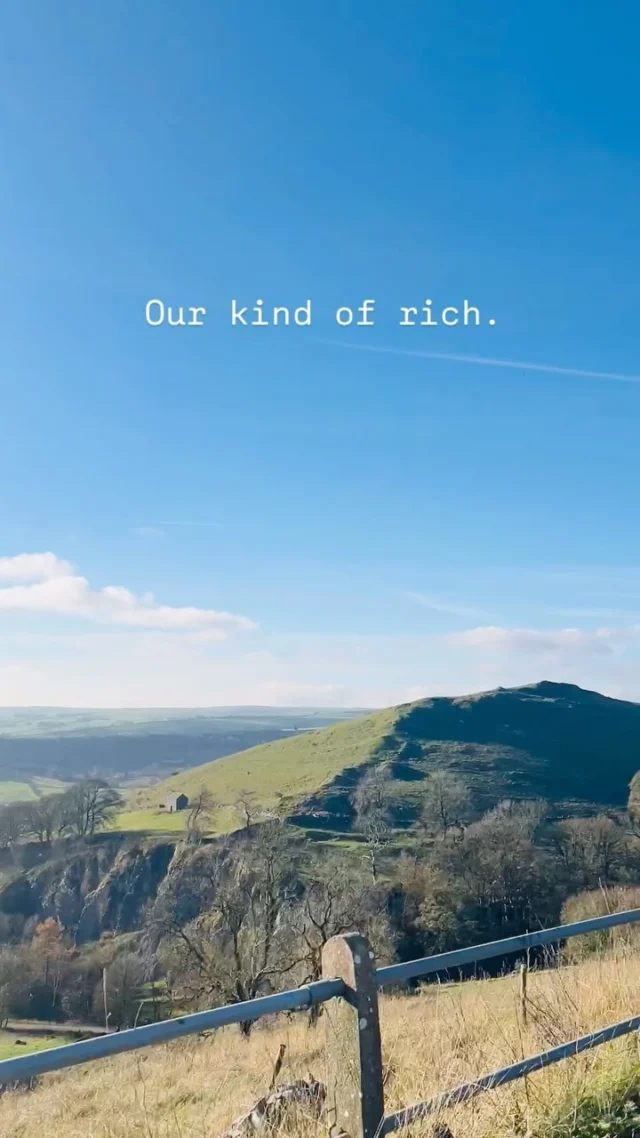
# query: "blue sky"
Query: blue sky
{"points": [[377, 521]]}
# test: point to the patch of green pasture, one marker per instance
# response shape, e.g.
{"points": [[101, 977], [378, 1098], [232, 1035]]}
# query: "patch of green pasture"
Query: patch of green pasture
{"points": [[44, 786], [16, 792], [153, 820], [10, 1049]]}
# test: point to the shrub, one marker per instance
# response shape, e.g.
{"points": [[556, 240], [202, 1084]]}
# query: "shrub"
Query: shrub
{"points": [[597, 903]]}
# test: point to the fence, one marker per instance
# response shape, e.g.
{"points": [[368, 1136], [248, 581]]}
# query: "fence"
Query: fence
{"points": [[355, 1096]]}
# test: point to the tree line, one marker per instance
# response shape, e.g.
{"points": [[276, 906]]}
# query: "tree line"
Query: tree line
{"points": [[79, 811], [46, 977]]}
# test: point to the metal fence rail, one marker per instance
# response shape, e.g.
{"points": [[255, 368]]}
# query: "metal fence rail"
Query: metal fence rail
{"points": [[350, 989], [55, 1059], [427, 965], [467, 1091]]}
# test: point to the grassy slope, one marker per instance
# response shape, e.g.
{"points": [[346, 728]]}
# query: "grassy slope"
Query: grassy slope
{"points": [[550, 740], [294, 768], [436, 1040]]}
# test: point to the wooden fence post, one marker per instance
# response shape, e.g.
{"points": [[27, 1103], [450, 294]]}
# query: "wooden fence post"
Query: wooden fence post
{"points": [[355, 1096], [523, 993]]}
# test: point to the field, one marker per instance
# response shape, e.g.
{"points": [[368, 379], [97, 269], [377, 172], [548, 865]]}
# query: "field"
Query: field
{"points": [[9, 1049], [151, 821], [435, 1040], [155, 821], [11, 791], [16, 792]]}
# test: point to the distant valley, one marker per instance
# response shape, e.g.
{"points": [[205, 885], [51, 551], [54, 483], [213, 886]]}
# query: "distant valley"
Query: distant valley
{"points": [[128, 746]]}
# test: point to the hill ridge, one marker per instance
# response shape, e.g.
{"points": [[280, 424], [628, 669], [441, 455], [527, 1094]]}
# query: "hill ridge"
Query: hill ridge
{"points": [[551, 740]]}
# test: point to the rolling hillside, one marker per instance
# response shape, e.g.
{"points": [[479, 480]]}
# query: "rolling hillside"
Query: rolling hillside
{"points": [[294, 769], [557, 741]]}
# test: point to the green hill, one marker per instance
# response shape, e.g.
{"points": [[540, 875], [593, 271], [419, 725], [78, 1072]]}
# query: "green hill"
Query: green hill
{"points": [[556, 741]]}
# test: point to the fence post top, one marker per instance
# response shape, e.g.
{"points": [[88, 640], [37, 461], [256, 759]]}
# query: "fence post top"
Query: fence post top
{"points": [[351, 958], [350, 942]]}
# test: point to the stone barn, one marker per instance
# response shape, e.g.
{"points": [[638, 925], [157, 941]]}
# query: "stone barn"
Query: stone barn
{"points": [[175, 802]]}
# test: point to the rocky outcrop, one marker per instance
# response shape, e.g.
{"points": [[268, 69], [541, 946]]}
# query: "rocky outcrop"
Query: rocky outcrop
{"points": [[117, 902], [100, 886]]}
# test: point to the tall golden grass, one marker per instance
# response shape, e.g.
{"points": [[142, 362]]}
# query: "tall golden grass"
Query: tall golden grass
{"points": [[434, 1040]]}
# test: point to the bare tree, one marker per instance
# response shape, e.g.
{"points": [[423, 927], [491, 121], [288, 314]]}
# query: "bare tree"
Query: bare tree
{"points": [[446, 803], [81, 810], [89, 806], [495, 878], [329, 908], [14, 823], [45, 817], [122, 990], [336, 900], [373, 816], [226, 929], [248, 808], [14, 983], [50, 957], [202, 808], [593, 850]]}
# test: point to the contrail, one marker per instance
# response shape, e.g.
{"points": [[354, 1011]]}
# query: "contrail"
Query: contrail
{"points": [[190, 525], [487, 361]]}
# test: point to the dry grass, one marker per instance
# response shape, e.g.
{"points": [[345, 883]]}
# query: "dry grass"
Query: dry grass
{"points": [[431, 1041]]}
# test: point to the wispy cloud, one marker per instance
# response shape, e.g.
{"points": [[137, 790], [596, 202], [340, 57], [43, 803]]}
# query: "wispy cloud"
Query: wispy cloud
{"points": [[152, 532], [437, 604], [602, 641], [42, 582], [488, 361], [594, 613]]}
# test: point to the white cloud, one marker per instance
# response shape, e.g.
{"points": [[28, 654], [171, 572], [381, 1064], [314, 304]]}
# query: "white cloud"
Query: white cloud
{"points": [[114, 667], [33, 567], [532, 640], [50, 585], [134, 651]]}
